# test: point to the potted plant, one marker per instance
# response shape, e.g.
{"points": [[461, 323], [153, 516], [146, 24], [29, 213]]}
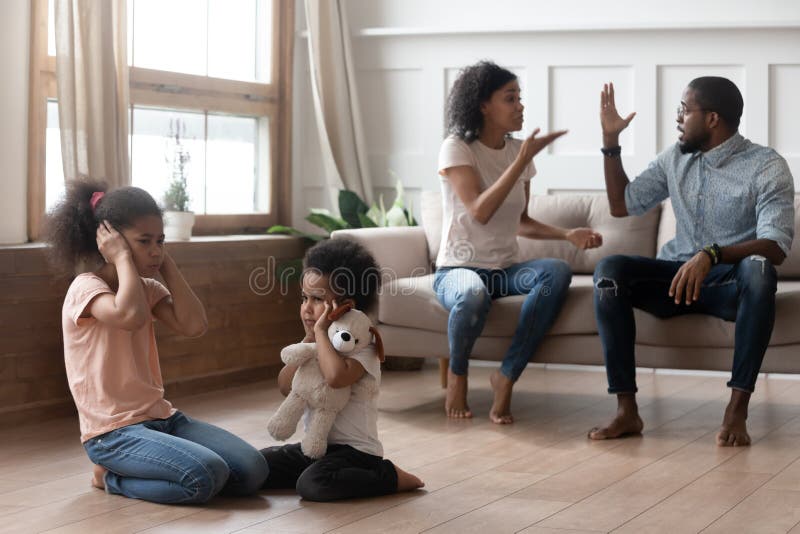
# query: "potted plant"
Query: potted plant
{"points": [[354, 214], [178, 220]]}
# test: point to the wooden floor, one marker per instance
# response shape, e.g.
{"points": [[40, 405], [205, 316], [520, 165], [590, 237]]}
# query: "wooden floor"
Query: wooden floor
{"points": [[540, 475]]}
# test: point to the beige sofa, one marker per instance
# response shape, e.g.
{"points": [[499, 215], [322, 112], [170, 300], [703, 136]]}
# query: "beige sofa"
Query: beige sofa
{"points": [[413, 323]]}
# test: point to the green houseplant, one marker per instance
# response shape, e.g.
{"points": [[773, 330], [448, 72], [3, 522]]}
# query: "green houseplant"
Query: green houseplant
{"points": [[354, 213]]}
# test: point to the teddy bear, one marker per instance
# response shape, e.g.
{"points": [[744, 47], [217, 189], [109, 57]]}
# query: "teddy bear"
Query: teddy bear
{"points": [[350, 331]]}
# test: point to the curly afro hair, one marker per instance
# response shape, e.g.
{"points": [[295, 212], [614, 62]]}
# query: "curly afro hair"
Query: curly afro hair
{"points": [[352, 271], [474, 86], [71, 228]]}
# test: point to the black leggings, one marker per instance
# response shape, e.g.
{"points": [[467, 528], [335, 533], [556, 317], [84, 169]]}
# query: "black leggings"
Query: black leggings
{"points": [[343, 473]]}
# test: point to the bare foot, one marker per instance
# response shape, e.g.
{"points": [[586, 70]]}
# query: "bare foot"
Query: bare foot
{"points": [[619, 427], [733, 432], [455, 404], [406, 481], [500, 413], [98, 477], [627, 420]]}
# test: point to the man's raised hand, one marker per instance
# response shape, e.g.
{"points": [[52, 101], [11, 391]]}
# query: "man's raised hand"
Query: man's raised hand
{"points": [[610, 119]]}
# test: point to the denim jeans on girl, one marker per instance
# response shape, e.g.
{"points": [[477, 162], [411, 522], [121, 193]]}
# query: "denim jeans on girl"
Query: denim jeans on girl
{"points": [[467, 292], [743, 292], [177, 460]]}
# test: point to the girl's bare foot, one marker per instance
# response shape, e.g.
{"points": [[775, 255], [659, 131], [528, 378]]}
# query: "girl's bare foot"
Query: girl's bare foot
{"points": [[406, 481], [500, 413], [627, 420], [455, 404], [98, 477]]}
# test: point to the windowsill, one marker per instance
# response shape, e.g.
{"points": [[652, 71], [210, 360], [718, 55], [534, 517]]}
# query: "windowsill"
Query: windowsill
{"points": [[204, 239], [231, 238]]}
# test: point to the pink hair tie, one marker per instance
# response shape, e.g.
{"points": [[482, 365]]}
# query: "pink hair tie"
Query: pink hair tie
{"points": [[96, 196]]}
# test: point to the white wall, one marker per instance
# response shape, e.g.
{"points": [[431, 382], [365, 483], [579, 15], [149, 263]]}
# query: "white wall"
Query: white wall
{"points": [[408, 54], [14, 44]]}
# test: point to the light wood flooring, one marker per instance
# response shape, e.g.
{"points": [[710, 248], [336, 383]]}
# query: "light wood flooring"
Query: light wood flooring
{"points": [[540, 475]]}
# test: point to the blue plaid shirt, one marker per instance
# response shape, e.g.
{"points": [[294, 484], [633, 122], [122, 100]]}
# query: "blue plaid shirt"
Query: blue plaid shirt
{"points": [[735, 192]]}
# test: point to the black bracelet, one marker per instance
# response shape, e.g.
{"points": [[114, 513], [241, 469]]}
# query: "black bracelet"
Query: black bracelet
{"points": [[612, 151], [709, 254], [714, 253]]}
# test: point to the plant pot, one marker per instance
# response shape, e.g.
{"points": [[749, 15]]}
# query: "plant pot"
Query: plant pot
{"points": [[178, 225]]}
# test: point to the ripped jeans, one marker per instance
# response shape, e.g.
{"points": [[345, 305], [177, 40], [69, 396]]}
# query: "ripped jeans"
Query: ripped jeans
{"points": [[743, 292], [467, 292]]}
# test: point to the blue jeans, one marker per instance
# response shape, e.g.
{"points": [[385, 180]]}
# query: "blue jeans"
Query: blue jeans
{"points": [[177, 460], [744, 292], [467, 292]]}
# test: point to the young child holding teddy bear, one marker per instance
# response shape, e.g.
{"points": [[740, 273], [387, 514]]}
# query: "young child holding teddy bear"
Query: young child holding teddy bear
{"points": [[339, 272]]}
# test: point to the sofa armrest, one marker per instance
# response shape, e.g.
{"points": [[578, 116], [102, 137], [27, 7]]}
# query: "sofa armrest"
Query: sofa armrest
{"points": [[400, 251]]}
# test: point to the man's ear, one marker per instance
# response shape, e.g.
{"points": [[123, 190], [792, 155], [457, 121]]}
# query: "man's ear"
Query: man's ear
{"points": [[713, 119]]}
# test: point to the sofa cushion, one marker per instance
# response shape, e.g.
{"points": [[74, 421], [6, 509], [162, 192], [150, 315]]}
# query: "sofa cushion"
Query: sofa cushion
{"points": [[708, 331], [411, 303], [431, 219], [399, 250], [790, 268], [666, 225], [629, 235]]}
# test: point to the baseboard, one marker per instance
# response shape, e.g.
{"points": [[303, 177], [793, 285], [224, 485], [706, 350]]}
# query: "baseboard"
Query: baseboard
{"points": [[221, 380], [41, 411], [37, 412]]}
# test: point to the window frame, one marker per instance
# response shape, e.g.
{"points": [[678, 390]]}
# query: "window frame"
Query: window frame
{"points": [[173, 90]]}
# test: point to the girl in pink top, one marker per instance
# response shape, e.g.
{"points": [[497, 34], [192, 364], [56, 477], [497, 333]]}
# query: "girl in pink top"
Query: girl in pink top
{"points": [[142, 447]]}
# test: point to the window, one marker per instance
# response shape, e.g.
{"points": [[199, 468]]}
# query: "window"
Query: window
{"points": [[215, 71]]}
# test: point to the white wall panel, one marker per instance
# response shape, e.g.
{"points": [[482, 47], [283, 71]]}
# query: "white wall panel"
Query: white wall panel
{"points": [[785, 109], [575, 103], [391, 107]]}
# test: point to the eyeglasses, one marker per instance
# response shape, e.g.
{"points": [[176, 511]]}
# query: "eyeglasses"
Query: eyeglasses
{"points": [[683, 111]]}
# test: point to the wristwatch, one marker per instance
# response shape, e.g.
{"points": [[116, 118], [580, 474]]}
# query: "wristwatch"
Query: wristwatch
{"points": [[611, 151], [714, 253]]}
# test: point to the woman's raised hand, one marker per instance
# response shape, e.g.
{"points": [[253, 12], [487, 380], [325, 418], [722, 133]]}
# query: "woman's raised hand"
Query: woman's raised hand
{"points": [[532, 145], [610, 119], [111, 243]]}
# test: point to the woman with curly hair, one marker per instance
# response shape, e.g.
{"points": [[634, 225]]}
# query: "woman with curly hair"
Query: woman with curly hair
{"points": [[485, 180]]}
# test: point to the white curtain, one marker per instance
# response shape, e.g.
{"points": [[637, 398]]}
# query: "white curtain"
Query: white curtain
{"points": [[93, 93], [335, 99]]}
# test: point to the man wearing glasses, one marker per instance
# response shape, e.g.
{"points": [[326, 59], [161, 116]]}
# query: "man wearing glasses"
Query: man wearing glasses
{"points": [[734, 210]]}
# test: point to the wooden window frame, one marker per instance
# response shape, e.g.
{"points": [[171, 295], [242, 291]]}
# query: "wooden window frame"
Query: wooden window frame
{"points": [[187, 92]]}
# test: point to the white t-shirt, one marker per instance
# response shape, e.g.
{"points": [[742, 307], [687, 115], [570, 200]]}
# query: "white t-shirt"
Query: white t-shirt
{"points": [[357, 423], [465, 241]]}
